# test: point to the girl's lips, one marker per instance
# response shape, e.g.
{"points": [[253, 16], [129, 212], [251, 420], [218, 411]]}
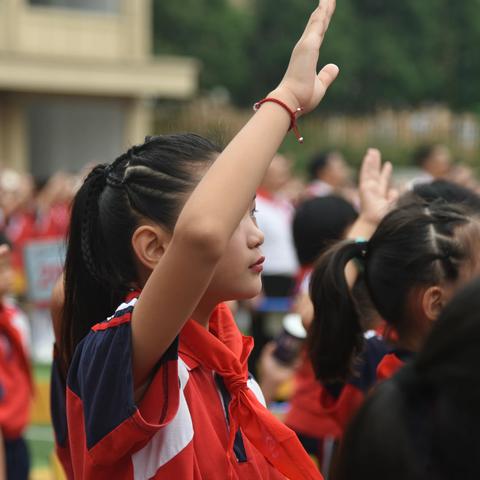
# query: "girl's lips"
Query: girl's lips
{"points": [[258, 265]]}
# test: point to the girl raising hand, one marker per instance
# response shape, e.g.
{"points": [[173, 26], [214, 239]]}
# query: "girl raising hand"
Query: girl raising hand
{"points": [[157, 383]]}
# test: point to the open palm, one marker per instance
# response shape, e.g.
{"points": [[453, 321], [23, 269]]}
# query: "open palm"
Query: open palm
{"points": [[301, 80]]}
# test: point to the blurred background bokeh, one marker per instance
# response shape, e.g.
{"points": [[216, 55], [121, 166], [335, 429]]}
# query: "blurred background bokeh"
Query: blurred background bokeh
{"points": [[81, 80]]}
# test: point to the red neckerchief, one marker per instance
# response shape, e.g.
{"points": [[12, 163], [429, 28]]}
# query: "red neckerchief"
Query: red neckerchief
{"points": [[265, 194], [389, 365], [224, 350]]}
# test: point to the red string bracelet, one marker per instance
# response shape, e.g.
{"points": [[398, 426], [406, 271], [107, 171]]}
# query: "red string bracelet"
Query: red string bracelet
{"points": [[293, 114]]}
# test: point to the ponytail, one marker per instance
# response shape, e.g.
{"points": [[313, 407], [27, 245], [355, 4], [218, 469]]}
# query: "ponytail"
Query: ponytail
{"points": [[414, 246], [88, 293], [149, 181], [335, 336]]}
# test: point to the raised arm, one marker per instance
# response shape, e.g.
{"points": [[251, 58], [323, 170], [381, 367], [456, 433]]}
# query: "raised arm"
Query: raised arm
{"points": [[376, 194], [221, 199], [376, 198]]}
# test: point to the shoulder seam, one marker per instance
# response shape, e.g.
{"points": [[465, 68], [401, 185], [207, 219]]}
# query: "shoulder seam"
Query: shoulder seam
{"points": [[122, 315]]}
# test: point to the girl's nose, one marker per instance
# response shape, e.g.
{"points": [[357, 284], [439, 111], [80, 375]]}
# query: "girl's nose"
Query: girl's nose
{"points": [[256, 238]]}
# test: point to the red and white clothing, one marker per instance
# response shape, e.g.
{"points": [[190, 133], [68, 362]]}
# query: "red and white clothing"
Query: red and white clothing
{"points": [[200, 418], [274, 218], [26, 227], [16, 387]]}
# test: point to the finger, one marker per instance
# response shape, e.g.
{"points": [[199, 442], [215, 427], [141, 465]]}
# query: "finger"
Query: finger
{"points": [[385, 176], [370, 166], [332, 4], [328, 74], [319, 21], [392, 196]]}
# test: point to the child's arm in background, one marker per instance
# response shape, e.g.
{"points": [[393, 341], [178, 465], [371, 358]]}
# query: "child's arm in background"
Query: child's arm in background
{"points": [[376, 194], [221, 199], [376, 199]]}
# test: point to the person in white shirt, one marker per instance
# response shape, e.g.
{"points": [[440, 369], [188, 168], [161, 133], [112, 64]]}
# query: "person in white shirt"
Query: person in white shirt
{"points": [[274, 217]]}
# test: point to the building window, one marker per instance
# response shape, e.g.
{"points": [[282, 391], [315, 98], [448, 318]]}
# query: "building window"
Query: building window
{"points": [[109, 6], [68, 133]]}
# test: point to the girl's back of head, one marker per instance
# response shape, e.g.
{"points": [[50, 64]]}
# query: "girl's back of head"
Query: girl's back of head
{"points": [[442, 190], [416, 255], [319, 222], [149, 183], [423, 423]]}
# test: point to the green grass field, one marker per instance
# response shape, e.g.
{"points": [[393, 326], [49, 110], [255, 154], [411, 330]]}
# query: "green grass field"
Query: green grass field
{"points": [[40, 436]]}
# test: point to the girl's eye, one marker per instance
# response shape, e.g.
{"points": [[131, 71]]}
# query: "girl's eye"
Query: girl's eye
{"points": [[253, 212]]}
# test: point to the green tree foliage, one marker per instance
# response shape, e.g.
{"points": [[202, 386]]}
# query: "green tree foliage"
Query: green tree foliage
{"points": [[398, 53], [213, 31]]}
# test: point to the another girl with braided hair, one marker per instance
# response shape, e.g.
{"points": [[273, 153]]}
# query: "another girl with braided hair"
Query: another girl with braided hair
{"points": [[157, 382], [422, 424], [419, 255]]}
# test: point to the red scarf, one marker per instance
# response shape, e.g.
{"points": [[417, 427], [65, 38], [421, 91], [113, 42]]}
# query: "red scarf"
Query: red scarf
{"points": [[224, 350]]}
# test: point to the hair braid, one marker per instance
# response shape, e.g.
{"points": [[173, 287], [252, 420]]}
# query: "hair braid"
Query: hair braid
{"points": [[446, 247], [97, 181], [113, 201]]}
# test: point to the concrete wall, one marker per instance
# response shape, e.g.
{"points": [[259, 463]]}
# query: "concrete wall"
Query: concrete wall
{"points": [[46, 133], [78, 80], [82, 34], [67, 133]]}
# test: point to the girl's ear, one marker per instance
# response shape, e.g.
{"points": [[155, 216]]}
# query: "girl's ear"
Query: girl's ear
{"points": [[149, 243], [433, 301]]}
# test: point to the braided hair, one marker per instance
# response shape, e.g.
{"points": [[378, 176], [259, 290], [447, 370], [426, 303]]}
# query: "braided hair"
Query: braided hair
{"points": [[149, 181], [423, 422], [416, 245]]}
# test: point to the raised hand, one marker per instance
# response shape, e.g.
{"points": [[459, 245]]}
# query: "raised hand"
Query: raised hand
{"points": [[376, 195], [302, 85]]}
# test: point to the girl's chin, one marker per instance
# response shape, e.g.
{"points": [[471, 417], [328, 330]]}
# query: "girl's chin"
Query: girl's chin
{"points": [[246, 294], [252, 294]]}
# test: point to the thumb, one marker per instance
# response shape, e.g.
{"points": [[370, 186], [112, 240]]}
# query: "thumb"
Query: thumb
{"points": [[328, 74]]}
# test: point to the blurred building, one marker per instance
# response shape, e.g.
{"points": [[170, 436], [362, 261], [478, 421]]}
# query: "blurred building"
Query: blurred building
{"points": [[78, 80]]}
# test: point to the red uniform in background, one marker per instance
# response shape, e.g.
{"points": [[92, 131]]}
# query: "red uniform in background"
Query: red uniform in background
{"points": [[320, 413], [16, 389]]}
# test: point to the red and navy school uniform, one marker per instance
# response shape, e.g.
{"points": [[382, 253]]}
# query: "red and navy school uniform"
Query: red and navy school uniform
{"points": [[316, 428], [392, 363], [16, 389], [342, 400], [319, 413], [58, 413], [193, 422]]}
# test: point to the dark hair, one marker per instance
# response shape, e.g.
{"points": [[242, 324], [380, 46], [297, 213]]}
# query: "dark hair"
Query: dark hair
{"points": [[443, 190], [318, 223], [413, 246], [318, 162], [4, 240], [149, 181], [423, 423], [423, 153]]}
